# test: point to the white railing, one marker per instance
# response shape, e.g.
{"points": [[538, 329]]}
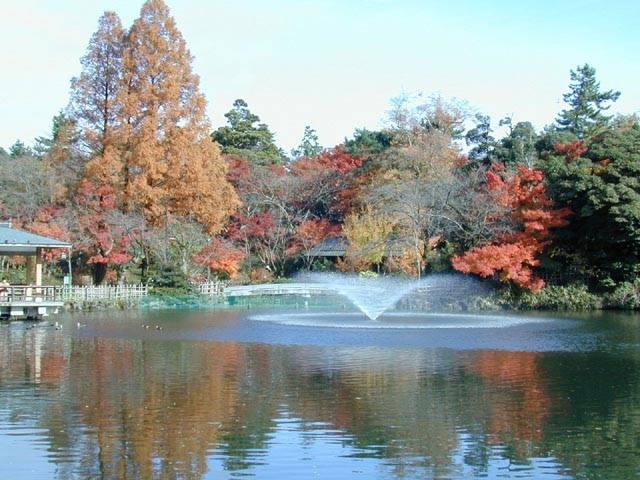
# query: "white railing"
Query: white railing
{"points": [[211, 289], [278, 289], [30, 293], [77, 293]]}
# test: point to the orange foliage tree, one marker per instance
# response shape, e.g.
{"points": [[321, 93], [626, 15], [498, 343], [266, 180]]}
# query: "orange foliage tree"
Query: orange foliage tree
{"points": [[514, 256], [221, 257], [144, 123], [172, 166], [96, 100]]}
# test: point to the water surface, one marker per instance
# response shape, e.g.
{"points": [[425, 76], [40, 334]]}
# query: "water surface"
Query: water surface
{"points": [[317, 391]]}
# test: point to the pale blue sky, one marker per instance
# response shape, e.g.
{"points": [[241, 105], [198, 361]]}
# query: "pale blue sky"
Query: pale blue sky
{"points": [[334, 64]]}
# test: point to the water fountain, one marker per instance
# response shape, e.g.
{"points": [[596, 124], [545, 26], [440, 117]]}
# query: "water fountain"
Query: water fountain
{"points": [[375, 295]]}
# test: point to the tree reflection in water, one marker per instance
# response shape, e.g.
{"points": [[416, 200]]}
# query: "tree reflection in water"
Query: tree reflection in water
{"points": [[119, 408]]}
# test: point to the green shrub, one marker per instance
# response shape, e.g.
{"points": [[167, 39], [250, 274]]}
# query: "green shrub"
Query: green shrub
{"points": [[169, 281], [626, 296], [554, 297]]}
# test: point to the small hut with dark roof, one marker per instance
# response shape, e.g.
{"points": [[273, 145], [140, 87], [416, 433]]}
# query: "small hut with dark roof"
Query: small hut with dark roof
{"points": [[330, 247]]}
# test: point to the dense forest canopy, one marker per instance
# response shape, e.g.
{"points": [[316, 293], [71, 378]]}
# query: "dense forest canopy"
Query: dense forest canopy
{"points": [[135, 176]]}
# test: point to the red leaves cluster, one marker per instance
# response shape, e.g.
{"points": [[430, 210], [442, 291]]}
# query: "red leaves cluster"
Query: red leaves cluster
{"points": [[336, 160], [245, 227], [513, 257], [103, 242], [311, 232], [571, 150], [221, 256], [238, 169], [45, 224]]}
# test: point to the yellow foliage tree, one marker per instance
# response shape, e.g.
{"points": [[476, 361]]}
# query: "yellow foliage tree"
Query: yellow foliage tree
{"points": [[368, 233]]}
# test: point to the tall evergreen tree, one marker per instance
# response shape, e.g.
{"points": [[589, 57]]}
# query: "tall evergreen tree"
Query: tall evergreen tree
{"points": [[309, 146], [243, 137], [518, 146], [20, 149], [481, 141], [586, 103]]}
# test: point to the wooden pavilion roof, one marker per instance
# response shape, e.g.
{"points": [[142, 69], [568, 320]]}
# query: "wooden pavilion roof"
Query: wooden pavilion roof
{"points": [[19, 242]]}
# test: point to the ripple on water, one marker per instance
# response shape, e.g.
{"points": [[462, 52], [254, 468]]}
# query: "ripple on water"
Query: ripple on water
{"points": [[398, 320]]}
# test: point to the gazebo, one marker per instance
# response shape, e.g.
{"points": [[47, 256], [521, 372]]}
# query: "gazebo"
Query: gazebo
{"points": [[33, 299]]}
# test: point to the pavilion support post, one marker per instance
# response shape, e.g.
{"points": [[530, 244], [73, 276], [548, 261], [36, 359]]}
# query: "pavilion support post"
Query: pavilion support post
{"points": [[69, 265], [31, 269], [38, 273]]}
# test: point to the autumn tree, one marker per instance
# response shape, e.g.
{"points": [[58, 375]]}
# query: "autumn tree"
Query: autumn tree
{"points": [[423, 157], [97, 230], [97, 102], [514, 256], [171, 166], [368, 233], [221, 257]]}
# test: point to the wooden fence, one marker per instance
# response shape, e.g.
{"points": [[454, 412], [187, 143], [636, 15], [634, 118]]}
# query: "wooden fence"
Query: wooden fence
{"points": [[77, 293]]}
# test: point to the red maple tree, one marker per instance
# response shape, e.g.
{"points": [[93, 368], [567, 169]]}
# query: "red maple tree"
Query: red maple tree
{"points": [[221, 256], [104, 242], [513, 257], [571, 150]]}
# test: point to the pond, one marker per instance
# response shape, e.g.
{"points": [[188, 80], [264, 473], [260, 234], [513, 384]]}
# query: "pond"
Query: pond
{"points": [[312, 389]]}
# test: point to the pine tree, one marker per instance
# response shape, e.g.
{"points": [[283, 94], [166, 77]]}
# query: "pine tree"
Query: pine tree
{"points": [[587, 103], [309, 146], [254, 143], [171, 164]]}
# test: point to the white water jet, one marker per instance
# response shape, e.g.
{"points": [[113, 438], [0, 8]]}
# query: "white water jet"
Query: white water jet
{"points": [[375, 295]]}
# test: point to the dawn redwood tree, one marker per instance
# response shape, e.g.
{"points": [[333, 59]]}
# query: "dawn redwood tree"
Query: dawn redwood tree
{"points": [[96, 101], [171, 166]]}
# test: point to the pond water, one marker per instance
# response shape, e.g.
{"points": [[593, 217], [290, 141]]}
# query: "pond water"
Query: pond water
{"points": [[311, 390]]}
